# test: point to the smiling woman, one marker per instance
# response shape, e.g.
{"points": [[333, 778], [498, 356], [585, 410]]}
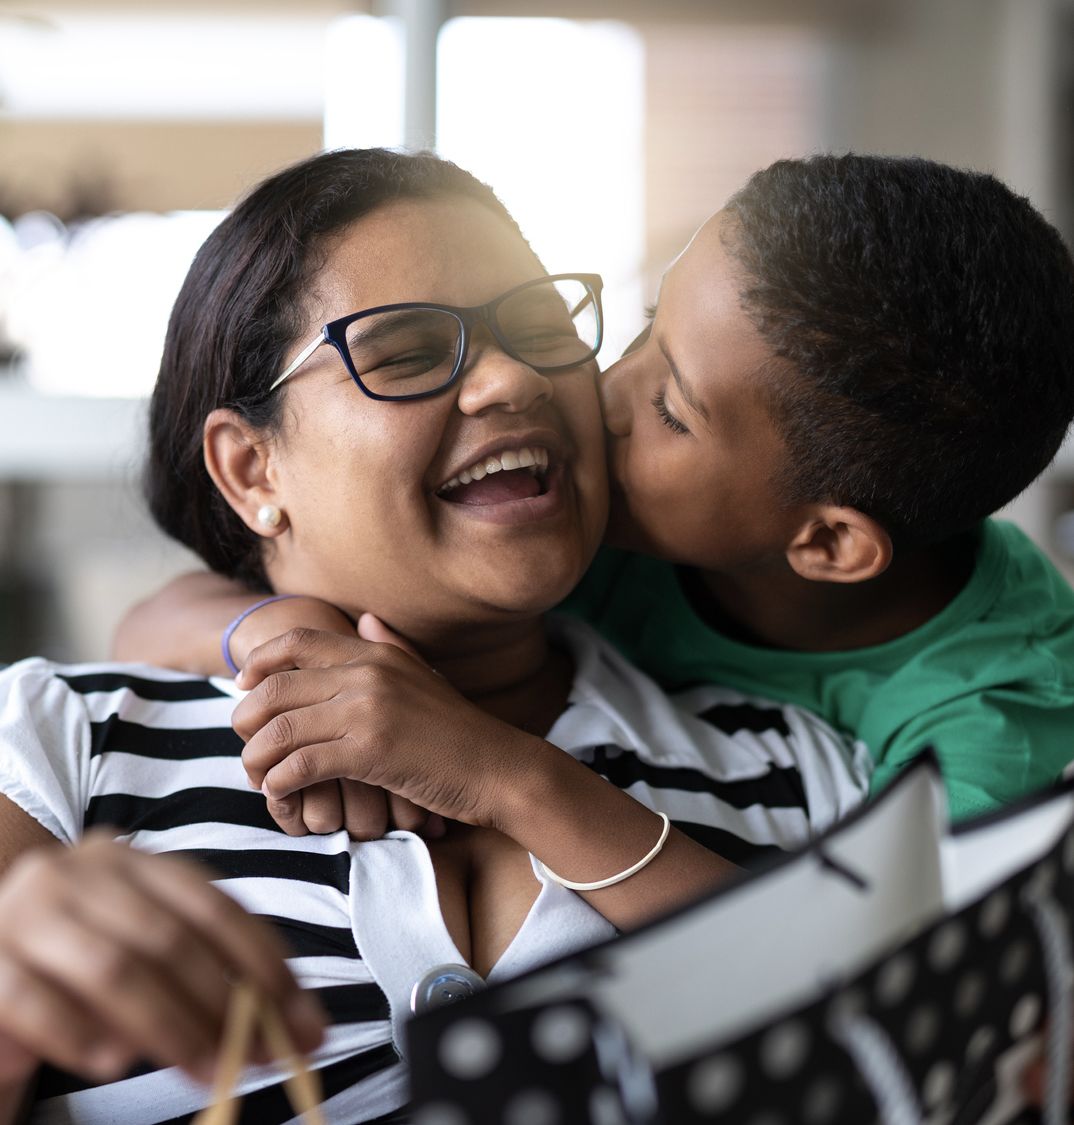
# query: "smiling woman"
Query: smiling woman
{"points": [[458, 510], [384, 457]]}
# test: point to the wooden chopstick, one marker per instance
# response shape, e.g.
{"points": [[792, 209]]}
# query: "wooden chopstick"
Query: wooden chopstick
{"points": [[248, 1012]]}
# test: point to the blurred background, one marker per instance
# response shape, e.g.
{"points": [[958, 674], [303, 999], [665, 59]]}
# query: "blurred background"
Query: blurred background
{"points": [[611, 130]]}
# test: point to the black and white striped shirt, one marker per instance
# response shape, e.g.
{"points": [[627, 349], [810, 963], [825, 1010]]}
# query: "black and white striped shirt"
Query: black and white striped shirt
{"points": [[152, 753]]}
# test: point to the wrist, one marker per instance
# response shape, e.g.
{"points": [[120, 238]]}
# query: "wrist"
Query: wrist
{"points": [[228, 642], [534, 788], [582, 828], [548, 797], [272, 617]]}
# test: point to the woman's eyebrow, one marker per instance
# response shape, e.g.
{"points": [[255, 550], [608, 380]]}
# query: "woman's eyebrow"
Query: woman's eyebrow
{"points": [[391, 322], [691, 400]]}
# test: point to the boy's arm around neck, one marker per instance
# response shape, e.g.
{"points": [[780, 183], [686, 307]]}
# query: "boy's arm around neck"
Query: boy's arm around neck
{"points": [[181, 625]]}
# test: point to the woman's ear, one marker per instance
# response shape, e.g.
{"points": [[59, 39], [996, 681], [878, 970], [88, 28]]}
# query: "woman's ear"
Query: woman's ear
{"points": [[239, 459], [839, 544]]}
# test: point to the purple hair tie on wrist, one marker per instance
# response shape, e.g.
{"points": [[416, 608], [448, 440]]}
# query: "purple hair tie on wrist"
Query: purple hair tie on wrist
{"points": [[225, 640]]}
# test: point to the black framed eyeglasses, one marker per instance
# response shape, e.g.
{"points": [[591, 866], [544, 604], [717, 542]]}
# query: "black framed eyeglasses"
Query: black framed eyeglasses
{"points": [[412, 350]]}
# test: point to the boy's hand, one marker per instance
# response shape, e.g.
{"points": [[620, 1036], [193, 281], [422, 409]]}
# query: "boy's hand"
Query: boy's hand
{"points": [[109, 955]]}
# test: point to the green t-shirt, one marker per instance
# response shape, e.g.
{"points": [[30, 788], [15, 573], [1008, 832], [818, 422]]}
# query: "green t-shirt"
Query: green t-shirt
{"points": [[988, 682]]}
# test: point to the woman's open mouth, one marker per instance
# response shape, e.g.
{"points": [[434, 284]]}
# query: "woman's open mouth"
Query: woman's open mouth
{"points": [[499, 478]]}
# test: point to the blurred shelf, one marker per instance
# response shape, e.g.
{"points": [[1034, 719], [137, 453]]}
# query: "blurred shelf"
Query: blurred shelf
{"points": [[69, 438]]}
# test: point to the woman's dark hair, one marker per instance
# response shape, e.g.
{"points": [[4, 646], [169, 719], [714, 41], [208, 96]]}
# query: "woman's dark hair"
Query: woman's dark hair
{"points": [[925, 317], [239, 310]]}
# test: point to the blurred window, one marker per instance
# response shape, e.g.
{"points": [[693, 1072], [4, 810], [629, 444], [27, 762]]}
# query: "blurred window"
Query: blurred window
{"points": [[144, 65], [363, 91], [551, 113]]}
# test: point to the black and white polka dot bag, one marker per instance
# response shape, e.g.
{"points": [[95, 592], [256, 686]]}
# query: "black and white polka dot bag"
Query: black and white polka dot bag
{"points": [[897, 971]]}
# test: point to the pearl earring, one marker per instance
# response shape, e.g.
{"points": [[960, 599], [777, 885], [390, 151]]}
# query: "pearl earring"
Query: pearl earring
{"points": [[268, 515]]}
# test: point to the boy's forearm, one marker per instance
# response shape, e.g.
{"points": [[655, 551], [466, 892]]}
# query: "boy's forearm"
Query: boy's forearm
{"points": [[180, 625]]}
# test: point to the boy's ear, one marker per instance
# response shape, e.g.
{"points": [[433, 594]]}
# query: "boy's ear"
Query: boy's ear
{"points": [[239, 460], [839, 544]]}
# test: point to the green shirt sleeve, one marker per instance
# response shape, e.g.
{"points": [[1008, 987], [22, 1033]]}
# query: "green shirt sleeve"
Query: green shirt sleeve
{"points": [[993, 747]]}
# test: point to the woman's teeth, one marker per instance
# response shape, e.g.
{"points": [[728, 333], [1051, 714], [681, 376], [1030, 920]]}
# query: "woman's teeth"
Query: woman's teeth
{"points": [[536, 460]]}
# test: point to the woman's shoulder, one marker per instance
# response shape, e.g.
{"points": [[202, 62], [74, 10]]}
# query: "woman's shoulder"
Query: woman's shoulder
{"points": [[45, 733], [107, 683], [33, 686], [607, 680], [74, 706], [59, 721], [754, 753], [96, 675]]}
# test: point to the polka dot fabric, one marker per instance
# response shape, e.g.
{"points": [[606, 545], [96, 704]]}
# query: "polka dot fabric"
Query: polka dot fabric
{"points": [[934, 1032], [954, 1003], [534, 1066]]}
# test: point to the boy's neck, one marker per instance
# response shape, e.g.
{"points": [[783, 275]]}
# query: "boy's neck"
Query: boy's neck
{"points": [[789, 612]]}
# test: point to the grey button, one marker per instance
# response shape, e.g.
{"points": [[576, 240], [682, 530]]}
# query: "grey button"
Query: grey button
{"points": [[444, 985]]}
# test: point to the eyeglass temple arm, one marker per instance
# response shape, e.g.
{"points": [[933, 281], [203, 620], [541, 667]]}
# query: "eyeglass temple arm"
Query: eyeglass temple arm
{"points": [[299, 360], [586, 300]]}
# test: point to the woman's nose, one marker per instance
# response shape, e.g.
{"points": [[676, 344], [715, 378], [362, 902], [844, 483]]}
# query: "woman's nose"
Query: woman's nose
{"points": [[495, 380], [615, 400]]}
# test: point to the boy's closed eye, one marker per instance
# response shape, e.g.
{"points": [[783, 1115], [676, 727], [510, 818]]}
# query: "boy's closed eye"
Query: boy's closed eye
{"points": [[660, 405]]}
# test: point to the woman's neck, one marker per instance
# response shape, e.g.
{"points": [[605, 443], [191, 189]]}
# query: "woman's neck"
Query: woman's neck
{"points": [[510, 671]]}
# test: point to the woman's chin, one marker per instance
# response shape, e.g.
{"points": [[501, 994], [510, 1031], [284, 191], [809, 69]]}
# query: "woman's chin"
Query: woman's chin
{"points": [[518, 593]]}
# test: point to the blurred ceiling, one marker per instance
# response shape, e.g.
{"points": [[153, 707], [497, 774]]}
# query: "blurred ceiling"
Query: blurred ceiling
{"points": [[845, 13]]}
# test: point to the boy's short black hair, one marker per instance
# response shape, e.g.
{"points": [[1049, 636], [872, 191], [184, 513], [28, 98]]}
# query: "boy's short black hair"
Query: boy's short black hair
{"points": [[925, 317]]}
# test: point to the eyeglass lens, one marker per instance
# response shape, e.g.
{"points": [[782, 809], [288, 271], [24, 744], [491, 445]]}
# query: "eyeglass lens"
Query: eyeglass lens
{"points": [[412, 351]]}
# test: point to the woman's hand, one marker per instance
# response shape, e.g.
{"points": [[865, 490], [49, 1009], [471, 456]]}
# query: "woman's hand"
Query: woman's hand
{"points": [[109, 955], [323, 707], [366, 811]]}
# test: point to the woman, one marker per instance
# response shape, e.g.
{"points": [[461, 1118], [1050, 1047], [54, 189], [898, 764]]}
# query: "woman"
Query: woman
{"points": [[339, 472]]}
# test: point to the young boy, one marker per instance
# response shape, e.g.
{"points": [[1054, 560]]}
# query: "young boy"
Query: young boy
{"points": [[850, 367]]}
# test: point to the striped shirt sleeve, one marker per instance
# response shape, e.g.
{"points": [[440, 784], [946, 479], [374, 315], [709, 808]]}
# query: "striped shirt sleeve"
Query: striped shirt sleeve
{"points": [[45, 747]]}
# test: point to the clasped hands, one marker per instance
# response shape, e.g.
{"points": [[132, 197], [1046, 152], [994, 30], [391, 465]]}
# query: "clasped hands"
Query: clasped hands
{"points": [[357, 732]]}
